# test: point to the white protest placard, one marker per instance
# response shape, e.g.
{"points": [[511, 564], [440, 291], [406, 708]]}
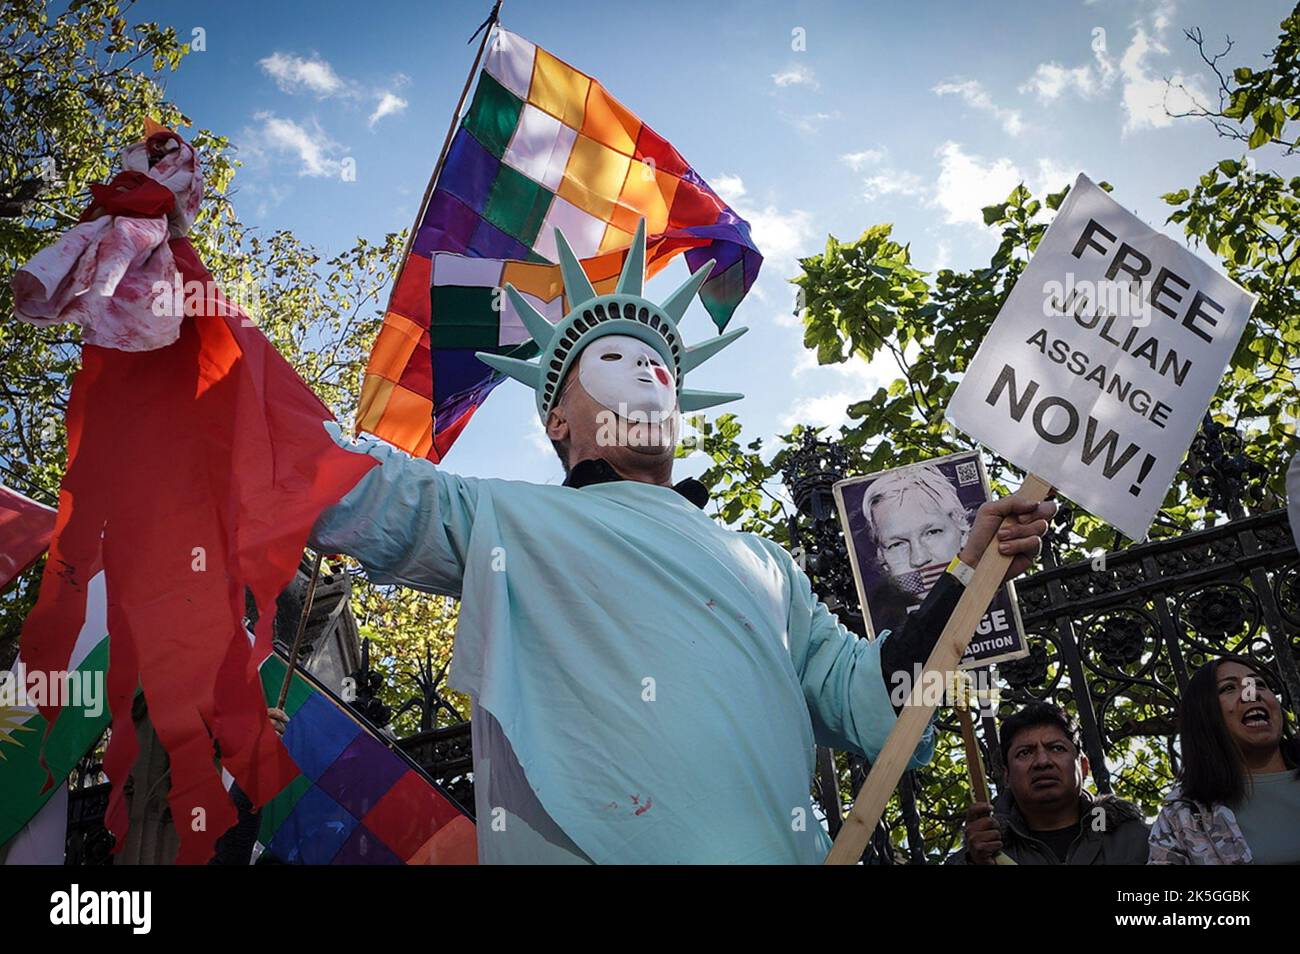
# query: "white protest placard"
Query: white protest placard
{"points": [[1103, 360]]}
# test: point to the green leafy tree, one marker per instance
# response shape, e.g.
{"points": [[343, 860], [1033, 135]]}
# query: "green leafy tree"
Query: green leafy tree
{"points": [[1255, 107], [1248, 214]]}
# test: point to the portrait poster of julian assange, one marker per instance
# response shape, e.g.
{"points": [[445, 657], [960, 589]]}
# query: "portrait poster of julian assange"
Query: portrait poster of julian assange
{"points": [[903, 527]]}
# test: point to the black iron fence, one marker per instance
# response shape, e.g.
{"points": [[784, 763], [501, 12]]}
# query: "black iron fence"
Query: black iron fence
{"points": [[1133, 625], [1113, 638]]}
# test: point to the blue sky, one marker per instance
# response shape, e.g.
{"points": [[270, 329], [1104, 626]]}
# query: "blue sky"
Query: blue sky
{"points": [[916, 114]]}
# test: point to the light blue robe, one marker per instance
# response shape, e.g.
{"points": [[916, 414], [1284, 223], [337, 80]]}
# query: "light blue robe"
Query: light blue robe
{"points": [[661, 679]]}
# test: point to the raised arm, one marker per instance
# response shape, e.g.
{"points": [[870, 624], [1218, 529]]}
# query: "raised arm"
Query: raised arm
{"points": [[848, 682], [406, 521]]}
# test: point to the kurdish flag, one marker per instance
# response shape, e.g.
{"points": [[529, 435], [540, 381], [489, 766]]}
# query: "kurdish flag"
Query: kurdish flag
{"points": [[542, 146], [25, 530], [357, 800], [24, 780]]}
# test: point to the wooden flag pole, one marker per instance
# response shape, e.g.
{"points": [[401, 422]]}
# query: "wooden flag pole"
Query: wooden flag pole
{"points": [[889, 765], [486, 27], [302, 630]]}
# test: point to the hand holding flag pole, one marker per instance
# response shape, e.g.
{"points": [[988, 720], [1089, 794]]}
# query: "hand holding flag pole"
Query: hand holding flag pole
{"points": [[944, 658]]}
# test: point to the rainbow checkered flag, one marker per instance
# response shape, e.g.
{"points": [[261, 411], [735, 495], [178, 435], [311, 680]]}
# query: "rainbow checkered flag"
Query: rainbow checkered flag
{"points": [[358, 799], [542, 146]]}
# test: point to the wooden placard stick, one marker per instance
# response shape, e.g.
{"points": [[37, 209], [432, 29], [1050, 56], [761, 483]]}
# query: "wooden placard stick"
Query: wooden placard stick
{"points": [[979, 785], [944, 658]]}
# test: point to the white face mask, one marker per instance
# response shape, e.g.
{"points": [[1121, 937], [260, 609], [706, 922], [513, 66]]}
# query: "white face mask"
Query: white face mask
{"points": [[627, 376]]}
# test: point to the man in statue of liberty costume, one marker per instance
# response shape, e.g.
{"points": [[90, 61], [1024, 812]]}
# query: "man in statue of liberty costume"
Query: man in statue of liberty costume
{"points": [[648, 686]]}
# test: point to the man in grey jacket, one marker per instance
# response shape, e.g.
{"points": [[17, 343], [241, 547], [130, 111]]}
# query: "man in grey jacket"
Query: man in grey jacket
{"points": [[1044, 817]]}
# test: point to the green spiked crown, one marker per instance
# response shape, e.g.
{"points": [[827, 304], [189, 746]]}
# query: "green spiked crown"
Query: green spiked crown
{"points": [[624, 312]]}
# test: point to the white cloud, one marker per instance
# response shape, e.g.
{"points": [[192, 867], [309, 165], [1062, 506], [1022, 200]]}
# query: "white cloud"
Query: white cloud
{"points": [[1148, 98], [854, 380], [781, 235], [1163, 15], [1052, 176], [942, 257], [965, 183], [968, 182], [271, 195], [1105, 65], [728, 187], [296, 74], [786, 318], [537, 438], [389, 103], [293, 74], [976, 97], [1050, 80], [315, 152], [892, 182], [824, 410], [795, 75], [857, 161], [884, 180], [809, 123]]}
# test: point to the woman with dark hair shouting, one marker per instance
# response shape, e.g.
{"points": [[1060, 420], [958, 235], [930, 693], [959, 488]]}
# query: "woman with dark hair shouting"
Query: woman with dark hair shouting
{"points": [[1237, 800]]}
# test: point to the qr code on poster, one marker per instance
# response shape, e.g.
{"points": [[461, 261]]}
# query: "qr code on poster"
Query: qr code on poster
{"points": [[968, 473]]}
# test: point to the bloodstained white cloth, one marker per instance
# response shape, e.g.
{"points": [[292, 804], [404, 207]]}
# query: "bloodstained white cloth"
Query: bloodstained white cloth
{"points": [[105, 274]]}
